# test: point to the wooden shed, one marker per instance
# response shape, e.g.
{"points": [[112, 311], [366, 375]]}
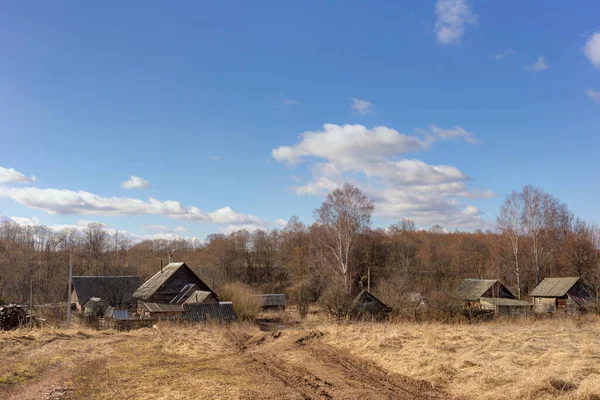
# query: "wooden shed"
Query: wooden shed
{"points": [[568, 295], [490, 295], [160, 311], [117, 291], [273, 302], [367, 305], [174, 283]]}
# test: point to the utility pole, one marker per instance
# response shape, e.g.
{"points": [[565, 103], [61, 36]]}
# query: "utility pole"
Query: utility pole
{"points": [[369, 279], [31, 302], [69, 298]]}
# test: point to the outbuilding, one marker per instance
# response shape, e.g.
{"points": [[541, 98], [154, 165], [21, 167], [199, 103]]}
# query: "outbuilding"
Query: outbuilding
{"points": [[490, 295], [569, 295]]}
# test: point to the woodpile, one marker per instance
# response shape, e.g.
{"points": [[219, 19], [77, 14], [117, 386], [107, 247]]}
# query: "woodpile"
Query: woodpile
{"points": [[13, 316]]}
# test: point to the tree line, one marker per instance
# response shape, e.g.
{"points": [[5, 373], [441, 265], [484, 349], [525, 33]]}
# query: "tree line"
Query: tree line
{"points": [[329, 260]]}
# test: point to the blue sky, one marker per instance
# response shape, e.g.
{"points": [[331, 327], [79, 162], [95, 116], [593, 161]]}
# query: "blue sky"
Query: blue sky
{"points": [[239, 114]]}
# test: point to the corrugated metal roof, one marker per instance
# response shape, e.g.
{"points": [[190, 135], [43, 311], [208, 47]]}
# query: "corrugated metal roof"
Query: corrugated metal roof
{"points": [[185, 293], [499, 301], [205, 312], [273, 299], [116, 290], [554, 287], [473, 289], [161, 307], [198, 297]]}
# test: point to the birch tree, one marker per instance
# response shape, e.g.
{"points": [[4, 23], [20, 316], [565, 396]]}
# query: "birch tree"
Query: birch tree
{"points": [[344, 215], [510, 223]]}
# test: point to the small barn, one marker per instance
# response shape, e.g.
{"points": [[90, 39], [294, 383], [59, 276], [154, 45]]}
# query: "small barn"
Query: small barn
{"points": [[219, 312], [175, 282], [273, 302], [367, 305], [490, 295], [160, 311], [117, 291], [569, 295]]}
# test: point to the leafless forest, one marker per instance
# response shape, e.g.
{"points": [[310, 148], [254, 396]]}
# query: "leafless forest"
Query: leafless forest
{"points": [[536, 236]]}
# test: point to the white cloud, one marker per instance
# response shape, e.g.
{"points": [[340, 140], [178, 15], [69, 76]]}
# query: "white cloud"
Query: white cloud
{"points": [[362, 106], [9, 175], [280, 223], [166, 229], [215, 158], [26, 221], [227, 229], [452, 18], [135, 182], [503, 54], [401, 187], [594, 95], [65, 202], [592, 49], [539, 65]]}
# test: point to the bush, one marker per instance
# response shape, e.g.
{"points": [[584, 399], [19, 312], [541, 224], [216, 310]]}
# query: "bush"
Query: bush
{"points": [[245, 302], [302, 295], [336, 301]]}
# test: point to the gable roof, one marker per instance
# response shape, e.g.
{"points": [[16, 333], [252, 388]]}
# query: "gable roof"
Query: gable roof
{"points": [[473, 289], [500, 301], [366, 302], [116, 290], [185, 293], [197, 297], [273, 300], [150, 287], [554, 287]]}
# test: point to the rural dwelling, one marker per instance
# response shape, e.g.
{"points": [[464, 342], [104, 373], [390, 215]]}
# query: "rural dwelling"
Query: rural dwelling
{"points": [[117, 291], [491, 295], [219, 312], [367, 305], [273, 302], [160, 311], [568, 295], [174, 283]]}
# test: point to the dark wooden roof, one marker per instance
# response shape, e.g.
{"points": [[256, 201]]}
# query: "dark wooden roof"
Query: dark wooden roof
{"points": [[206, 312], [116, 290], [273, 300], [473, 289], [161, 278], [366, 303], [554, 287]]}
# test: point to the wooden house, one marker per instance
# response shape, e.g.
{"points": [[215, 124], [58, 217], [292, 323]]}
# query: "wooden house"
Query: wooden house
{"points": [[568, 295], [273, 302], [116, 291], [174, 284], [367, 305], [491, 295]]}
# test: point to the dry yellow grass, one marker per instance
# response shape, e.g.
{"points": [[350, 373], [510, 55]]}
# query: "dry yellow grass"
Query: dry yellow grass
{"points": [[547, 359], [500, 360]]}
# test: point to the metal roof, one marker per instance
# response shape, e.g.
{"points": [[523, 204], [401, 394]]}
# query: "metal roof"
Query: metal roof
{"points": [[473, 289], [206, 312], [116, 313], [273, 299], [554, 287], [116, 290], [197, 297], [185, 293], [499, 301], [161, 307]]}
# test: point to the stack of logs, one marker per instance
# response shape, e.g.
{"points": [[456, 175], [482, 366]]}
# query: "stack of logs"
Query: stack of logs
{"points": [[13, 316]]}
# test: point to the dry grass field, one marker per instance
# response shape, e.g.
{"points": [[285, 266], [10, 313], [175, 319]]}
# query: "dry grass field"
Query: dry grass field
{"points": [[551, 359]]}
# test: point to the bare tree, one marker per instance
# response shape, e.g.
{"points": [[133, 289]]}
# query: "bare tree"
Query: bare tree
{"points": [[510, 223], [344, 214]]}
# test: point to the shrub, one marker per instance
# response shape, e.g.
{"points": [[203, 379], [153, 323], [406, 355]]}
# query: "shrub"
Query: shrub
{"points": [[302, 295], [245, 302], [336, 301]]}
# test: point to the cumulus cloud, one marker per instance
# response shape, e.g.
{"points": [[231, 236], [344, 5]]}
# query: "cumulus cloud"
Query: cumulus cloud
{"points": [[539, 65], [452, 18], [362, 107], [503, 54], [166, 229], [592, 94], [66, 202], [592, 49], [10, 175], [401, 187], [26, 221], [280, 223], [135, 182]]}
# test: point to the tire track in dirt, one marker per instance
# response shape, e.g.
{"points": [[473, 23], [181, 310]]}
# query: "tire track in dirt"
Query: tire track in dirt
{"points": [[315, 370]]}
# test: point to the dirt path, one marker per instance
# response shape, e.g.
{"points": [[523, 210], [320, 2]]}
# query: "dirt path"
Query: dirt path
{"points": [[311, 369]]}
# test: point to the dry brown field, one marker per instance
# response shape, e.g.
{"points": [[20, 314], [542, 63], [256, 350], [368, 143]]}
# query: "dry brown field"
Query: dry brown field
{"points": [[315, 359]]}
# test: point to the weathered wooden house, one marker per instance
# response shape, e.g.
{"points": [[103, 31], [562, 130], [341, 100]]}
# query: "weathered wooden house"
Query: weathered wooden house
{"points": [[365, 305], [569, 295], [175, 282], [116, 291], [273, 302], [491, 295]]}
